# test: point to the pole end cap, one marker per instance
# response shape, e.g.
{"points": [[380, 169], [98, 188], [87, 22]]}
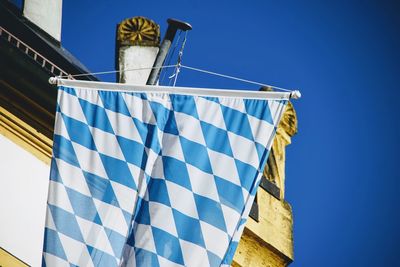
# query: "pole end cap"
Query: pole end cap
{"points": [[296, 94], [53, 80], [181, 25]]}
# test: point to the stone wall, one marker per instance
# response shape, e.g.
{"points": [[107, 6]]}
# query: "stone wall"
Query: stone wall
{"points": [[268, 242]]}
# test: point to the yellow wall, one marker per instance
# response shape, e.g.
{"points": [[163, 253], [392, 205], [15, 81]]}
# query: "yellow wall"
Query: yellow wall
{"points": [[268, 242], [9, 260]]}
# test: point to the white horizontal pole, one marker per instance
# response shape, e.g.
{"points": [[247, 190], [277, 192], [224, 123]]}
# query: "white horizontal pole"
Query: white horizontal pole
{"points": [[248, 94]]}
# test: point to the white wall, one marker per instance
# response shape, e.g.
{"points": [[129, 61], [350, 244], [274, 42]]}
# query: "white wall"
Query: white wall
{"points": [[135, 57], [46, 14], [23, 196]]}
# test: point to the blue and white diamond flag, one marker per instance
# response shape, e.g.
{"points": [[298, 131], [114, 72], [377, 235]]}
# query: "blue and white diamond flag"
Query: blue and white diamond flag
{"points": [[154, 176]]}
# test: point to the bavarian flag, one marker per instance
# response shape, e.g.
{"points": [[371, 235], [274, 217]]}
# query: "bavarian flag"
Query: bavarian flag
{"points": [[154, 176]]}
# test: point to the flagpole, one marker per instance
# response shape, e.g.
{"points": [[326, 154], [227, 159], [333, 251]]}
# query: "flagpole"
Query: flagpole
{"points": [[248, 94]]}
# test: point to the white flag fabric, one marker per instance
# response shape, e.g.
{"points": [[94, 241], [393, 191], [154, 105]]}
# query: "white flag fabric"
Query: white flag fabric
{"points": [[154, 178]]}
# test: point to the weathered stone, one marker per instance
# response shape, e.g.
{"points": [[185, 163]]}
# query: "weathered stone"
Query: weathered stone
{"points": [[252, 251], [271, 237], [275, 168]]}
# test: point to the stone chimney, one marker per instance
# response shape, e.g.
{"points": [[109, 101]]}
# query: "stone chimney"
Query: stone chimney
{"points": [[46, 14], [138, 41]]}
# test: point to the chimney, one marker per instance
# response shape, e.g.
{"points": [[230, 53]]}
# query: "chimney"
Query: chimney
{"points": [[46, 14], [138, 41]]}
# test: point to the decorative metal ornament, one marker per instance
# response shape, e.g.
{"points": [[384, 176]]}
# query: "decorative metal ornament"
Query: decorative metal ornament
{"points": [[138, 31]]}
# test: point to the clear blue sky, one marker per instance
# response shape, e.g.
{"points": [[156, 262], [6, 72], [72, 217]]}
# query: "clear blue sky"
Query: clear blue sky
{"points": [[342, 178]]}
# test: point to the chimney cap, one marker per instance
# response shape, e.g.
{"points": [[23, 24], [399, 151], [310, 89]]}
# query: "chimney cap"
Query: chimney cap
{"points": [[179, 24], [138, 30]]}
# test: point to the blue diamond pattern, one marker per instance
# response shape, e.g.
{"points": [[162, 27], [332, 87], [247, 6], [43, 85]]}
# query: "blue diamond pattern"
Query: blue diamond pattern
{"points": [[176, 171], [125, 194], [210, 211], [168, 245], [188, 228], [211, 134], [200, 158], [237, 122]]}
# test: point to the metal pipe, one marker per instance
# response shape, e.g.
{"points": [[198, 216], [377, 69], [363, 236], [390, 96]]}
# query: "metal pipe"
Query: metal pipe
{"points": [[173, 26]]}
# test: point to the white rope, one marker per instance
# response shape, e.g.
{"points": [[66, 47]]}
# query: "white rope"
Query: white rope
{"points": [[114, 71], [169, 57], [234, 78], [179, 63], [177, 68]]}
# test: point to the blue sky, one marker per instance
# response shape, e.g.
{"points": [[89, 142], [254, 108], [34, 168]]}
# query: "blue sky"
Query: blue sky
{"points": [[342, 177]]}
